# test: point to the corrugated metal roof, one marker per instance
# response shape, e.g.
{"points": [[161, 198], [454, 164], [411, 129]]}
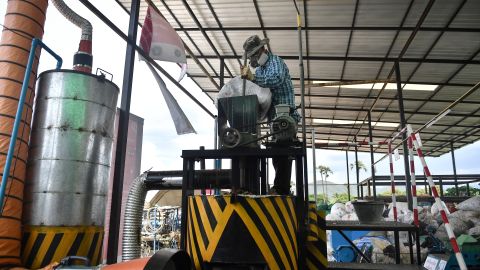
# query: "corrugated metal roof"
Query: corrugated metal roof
{"points": [[350, 40]]}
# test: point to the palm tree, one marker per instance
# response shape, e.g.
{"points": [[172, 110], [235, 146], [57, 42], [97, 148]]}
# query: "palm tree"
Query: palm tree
{"points": [[360, 164], [325, 172]]}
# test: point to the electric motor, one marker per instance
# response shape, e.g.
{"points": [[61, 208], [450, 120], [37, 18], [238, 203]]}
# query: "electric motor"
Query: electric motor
{"points": [[284, 128]]}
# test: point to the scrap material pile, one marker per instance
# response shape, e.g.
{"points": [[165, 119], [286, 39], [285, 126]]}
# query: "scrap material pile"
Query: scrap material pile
{"points": [[464, 219], [161, 229]]}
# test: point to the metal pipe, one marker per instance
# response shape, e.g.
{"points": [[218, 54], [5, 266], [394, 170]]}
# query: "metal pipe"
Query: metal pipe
{"points": [[122, 135], [348, 176], [314, 162], [83, 59], [357, 171], [18, 116], [403, 124], [372, 160], [302, 90], [454, 168], [132, 224]]}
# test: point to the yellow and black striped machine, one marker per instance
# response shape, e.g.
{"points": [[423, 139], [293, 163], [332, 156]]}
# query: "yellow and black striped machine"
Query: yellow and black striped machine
{"points": [[251, 231]]}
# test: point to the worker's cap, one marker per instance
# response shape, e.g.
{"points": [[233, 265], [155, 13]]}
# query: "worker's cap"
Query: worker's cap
{"points": [[253, 44]]}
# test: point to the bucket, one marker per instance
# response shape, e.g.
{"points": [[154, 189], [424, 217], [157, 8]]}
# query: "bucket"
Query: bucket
{"points": [[369, 211]]}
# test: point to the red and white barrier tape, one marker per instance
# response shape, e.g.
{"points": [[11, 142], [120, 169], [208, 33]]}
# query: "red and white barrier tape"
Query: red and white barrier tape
{"points": [[392, 180], [413, 180], [438, 201]]}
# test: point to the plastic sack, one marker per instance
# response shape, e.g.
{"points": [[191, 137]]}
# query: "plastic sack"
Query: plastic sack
{"points": [[332, 217], [400, 206], [349, 208], [475, 231], [435, 210], [338, 209], [465, 215], [459, 227], [233, 88], [351, 217], [472, 204]]}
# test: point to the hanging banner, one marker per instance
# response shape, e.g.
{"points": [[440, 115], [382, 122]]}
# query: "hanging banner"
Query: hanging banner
{"points": [[161, 42], [182, 124]]}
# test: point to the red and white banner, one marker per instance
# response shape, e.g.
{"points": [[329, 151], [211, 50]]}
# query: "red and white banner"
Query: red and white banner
{"points": [[160, 40]]}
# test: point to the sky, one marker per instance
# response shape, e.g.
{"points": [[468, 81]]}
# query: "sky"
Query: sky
{"points": [[161, 145]]}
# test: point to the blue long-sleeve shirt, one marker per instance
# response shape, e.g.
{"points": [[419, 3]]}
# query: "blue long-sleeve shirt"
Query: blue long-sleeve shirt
{"points": [[275, 75]]}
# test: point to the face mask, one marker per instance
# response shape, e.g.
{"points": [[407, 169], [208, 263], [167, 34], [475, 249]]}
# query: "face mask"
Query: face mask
{"points": [[254, 62], [262, 59]]}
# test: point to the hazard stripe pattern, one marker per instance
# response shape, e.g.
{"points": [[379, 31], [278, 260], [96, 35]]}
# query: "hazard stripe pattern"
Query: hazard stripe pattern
{"points": [[43, 245], [270, 220], [316, 240]]}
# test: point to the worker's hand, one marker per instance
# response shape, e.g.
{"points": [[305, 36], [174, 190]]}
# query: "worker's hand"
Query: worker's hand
{"points": [[246, 73]]}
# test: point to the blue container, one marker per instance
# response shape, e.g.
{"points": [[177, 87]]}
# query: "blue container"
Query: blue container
{"points": [[338, 240], [342, 249]]}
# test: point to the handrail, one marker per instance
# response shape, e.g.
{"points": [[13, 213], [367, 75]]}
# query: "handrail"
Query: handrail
{"points": [[13, 139]]}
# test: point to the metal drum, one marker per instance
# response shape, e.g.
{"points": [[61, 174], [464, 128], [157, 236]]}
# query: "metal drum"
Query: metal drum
{"points": [[70, 150]]}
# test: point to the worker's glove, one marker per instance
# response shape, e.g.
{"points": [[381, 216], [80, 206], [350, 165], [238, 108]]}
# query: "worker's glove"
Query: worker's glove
{"points": [[246, 73]]}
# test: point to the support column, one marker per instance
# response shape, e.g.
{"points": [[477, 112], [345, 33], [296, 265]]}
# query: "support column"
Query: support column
{"points": [[222, 72], [314, 168], [120, 153], [348, 176], [372, 160], [357, 170], [454, 169], [403, 123]]}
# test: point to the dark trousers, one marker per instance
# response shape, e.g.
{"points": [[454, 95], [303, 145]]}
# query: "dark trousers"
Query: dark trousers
{"points": [[283, 171]]}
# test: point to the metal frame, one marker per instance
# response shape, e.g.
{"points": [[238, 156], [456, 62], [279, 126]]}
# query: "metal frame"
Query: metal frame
{"points": [[301, 203], [310, 30]]}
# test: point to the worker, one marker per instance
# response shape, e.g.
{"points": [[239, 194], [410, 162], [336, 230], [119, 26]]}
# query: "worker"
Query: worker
{"points": [[272, 72]]}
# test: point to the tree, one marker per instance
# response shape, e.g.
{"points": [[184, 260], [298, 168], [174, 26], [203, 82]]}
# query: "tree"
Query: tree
{"points": [[361, 166], [462, 190], [340, 197], [325, 172]]}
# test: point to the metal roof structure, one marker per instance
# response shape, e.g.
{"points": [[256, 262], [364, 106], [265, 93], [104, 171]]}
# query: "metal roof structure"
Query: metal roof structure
{"points": [[436, 43]]}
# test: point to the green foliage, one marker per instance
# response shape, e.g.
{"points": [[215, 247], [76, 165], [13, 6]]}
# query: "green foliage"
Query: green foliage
{"points": [[462, 190], [361, 166], [337, 197], [389, 193]]}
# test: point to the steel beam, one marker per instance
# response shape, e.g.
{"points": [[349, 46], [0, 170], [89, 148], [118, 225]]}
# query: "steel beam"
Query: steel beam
{"points": [[212, 10], [330, 28], [207, 38], [403, 124], [260, 20], [454, 168], [337, 79], [359, 59], [427, 53], [372, 160], [189, 38], [122, 135], [357, 172], [404, 49], [348, 176], [140, 51]]}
